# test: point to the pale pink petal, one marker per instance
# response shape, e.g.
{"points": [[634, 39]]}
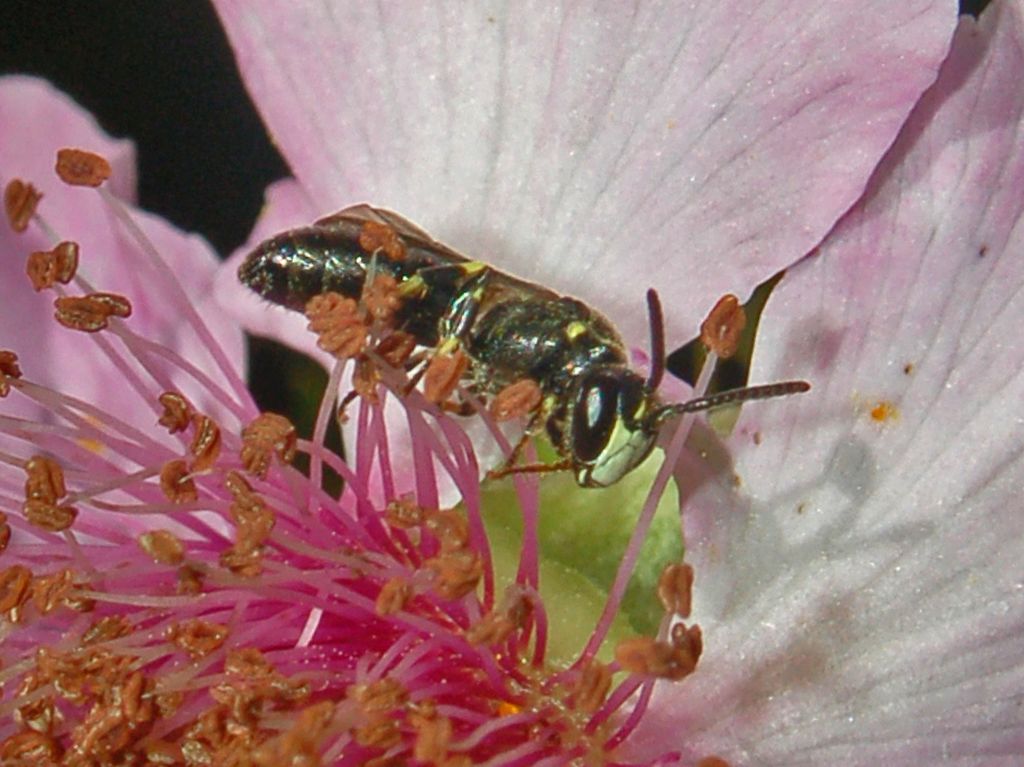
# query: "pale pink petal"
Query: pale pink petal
{"points": [[36, 121], [597, 149], [862, 597]]}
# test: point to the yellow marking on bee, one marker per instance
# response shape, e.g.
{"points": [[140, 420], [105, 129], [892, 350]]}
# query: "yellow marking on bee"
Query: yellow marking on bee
{"points": [[473, 267], [414, 287], [574, 330]]}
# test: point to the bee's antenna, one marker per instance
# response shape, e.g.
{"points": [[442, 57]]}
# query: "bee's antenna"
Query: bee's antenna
{"points": [[657, 323], [730, 397]]}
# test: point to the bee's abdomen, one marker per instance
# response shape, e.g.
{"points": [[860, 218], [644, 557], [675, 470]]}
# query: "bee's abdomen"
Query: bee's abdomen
{"points": [[293, 267]]}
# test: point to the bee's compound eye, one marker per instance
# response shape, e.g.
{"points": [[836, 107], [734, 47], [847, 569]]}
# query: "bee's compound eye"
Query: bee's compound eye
{"points": [[593, 418]]}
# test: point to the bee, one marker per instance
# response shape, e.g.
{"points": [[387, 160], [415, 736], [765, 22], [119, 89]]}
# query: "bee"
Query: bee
{"points": [[601, 416]]}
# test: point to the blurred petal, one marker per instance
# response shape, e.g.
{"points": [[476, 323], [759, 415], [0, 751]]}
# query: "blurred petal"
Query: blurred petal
{"points": [[36, 121], [864, 604], [629, 144]]}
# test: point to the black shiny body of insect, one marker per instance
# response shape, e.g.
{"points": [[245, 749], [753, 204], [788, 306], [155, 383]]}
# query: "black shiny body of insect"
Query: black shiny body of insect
{"points": [[594, 408], [601, 416]]}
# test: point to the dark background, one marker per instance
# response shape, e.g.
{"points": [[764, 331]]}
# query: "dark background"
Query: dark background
{"points": [[161, 73]]}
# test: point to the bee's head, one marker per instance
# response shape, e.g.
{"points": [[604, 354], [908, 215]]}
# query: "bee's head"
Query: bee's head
{"points": [[608, 430]]}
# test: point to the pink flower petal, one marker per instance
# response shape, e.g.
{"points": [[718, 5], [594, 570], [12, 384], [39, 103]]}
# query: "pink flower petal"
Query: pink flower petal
{"points": [[625, 146], [863, 601], [36, 121]]}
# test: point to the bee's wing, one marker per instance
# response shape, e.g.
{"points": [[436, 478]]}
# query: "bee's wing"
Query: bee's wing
{"points": [[412, 235]]}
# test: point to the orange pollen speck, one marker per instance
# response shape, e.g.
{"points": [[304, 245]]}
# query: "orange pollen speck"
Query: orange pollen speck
{"points": [[46, 267], [516, 399], [269, 433], [675, 587], [20, 202], [9, 368], [443, 374], [176, 482], [720, 332], [506, 708], [90, 313], [375, 236], [163, 546], [339, 324], [177, 413], [78, 167], [712, 761], [884, 411]]}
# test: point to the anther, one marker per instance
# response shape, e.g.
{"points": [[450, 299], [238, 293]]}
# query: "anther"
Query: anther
{"points": [[5, 532], [177, 413], [78, 167], [163, 546], [393, 596], [46, 267], [44, 480], [20, 202], [451, 529], [176, 482], [375, 236], [107, 629], [720, 332], [664, 660], [338, 323], [382, 298], [29, 747], [267, 434], [51, 591], [405, 513], [443, 374], [433, 736], [396, 348], [379, 697], [688, 641], [9, 368], [90, 313], [675, 589], [516, 399], [591, 687], [456, 573], [49, 516], [511, 615], [197, 637], [205, 445], [14, 587]]}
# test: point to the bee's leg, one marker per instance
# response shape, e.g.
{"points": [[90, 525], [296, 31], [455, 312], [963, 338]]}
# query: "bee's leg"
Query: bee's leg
{"points": [[448, 363], [509, 466], [530, 468]]}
